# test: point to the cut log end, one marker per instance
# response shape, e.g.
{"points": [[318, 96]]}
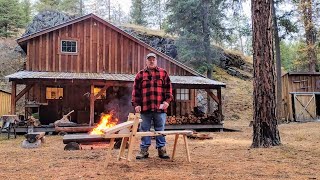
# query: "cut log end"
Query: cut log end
{"points": [[72, 146]]}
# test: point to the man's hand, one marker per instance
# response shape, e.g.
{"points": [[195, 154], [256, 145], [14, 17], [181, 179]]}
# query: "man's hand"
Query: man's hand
{"points": [[165, 105], [138, 109]]}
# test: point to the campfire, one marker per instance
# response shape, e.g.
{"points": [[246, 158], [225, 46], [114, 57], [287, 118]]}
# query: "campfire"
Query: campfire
{"points": [[106, 121]]}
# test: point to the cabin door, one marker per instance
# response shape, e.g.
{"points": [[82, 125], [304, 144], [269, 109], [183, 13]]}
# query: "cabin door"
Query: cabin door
{"points": [[305, 107]]}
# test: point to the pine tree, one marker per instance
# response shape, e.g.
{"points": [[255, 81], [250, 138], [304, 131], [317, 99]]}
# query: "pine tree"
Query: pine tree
{"points": [[197, 23], [43, 5], [73, 7], [11, 17], [138, 12], [265, 125], [26, 9]]}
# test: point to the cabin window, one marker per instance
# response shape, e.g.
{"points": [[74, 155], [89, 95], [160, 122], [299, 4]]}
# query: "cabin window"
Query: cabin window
{"points": [[96, 90], [182, 94], [68, 46], [54, 93]]}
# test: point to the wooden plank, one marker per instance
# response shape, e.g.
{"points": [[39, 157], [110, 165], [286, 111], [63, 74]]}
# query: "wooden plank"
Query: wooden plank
{"points": [[85, 47], [28, 56], [91, 44], [110, 51], [59, 51], [134, 59], [98, 47], [40, 54], [54, 51], [174, 146], [26, 89], [118, 127], [122, 147], [13, 97], [214, 97], [187, 148], [139, 58], [80, 49], [101, 92], [47, 52], [121, 54], [115, 42], [91, 105], [220, 103], [132, 138], [104, 46]]}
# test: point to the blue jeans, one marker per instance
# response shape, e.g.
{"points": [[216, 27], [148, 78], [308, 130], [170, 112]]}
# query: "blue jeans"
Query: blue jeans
{"points": [[159, 120]]}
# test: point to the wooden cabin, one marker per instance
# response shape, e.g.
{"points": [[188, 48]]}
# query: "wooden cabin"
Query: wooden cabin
{"points": [[5, 102], [301, 96], [88, 65]]}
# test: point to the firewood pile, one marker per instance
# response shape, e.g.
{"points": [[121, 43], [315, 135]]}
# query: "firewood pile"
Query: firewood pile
{"points": [[193, 119]]}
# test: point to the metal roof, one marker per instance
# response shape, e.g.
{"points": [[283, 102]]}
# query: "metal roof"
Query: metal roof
{"points": [[303, 73], [193, 80]]}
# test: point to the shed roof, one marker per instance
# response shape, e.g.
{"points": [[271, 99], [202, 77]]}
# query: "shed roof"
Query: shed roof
{"points": [[303, 73], [186, 80], [4, 91]]}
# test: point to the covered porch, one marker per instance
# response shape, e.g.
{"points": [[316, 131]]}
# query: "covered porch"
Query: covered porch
{"points": [[54, 94]]}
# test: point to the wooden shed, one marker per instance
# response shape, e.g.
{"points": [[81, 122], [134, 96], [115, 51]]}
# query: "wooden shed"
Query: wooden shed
{"points": [[88, 65], [5, 102], [301, 96]]}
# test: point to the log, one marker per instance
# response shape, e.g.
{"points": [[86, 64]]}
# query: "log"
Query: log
{"points": [[83, 138], [73, 129]]}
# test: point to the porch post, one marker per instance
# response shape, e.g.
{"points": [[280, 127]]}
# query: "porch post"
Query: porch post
{"points": [[220, 103], [13, 97], [91, 105]]}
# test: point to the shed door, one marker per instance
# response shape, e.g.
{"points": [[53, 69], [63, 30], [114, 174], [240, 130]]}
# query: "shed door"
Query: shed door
{"points": [[305, 107]]}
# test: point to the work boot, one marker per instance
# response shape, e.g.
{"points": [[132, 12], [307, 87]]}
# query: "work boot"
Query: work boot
{"points": [[143, 154], [163, 153]]}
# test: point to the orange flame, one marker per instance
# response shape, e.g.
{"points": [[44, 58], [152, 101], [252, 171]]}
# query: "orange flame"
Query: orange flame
{"points": [[106, 121]]}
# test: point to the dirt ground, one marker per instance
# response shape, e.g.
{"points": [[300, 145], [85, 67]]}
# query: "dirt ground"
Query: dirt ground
{"points": [[227, 156]]}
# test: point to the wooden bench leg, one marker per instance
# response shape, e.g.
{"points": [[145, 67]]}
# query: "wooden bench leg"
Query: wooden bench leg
{"points": [[111, 144], [174, 146], [122, 147], [187, 147], [132, 141]]}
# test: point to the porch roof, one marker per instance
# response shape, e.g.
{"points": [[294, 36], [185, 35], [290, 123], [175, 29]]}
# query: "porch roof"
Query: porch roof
{"points": [[179, 80]]}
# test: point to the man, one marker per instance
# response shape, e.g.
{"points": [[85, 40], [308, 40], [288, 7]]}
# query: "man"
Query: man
{"points": [[151, 95]]}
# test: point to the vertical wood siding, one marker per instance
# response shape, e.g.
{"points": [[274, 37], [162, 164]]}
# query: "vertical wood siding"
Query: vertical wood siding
{"points": [[5, 103], [101, 49]]}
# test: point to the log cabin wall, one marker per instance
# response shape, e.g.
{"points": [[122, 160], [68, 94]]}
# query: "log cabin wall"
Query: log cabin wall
{"points": [[100, 49], [297, 83]]}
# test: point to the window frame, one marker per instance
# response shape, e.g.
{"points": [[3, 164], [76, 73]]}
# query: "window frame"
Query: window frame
{"points": [[76, 40], [57, 92], [178, 94]]}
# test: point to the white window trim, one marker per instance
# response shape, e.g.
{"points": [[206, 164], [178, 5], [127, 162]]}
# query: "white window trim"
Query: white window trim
{"points": [[69, 41]]}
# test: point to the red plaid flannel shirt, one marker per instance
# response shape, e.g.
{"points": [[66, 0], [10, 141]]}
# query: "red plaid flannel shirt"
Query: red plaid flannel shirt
{"points": [[151, 87]]}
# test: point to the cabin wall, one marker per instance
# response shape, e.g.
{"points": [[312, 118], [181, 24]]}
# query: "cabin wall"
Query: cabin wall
{"points": [[75, 97], [5, 103], [101, 49]]}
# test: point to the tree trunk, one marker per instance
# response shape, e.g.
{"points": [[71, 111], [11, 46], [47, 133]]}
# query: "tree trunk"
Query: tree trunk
{"points": [[278, 61], [206, 43], [306, 6], [265, 125]]}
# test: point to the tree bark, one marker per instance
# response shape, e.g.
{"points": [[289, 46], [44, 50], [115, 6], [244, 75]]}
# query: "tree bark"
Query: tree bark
{"points": [[265, 125], [278, 61], [306, 6]]}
